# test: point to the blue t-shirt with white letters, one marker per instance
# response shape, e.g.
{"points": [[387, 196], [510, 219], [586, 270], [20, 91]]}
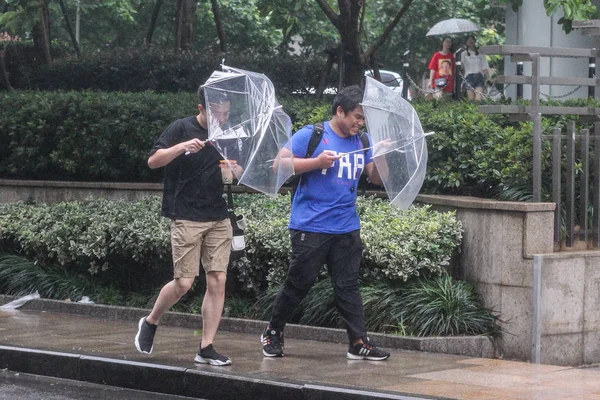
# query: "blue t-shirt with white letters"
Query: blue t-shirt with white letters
{"points": [[325, 200]]}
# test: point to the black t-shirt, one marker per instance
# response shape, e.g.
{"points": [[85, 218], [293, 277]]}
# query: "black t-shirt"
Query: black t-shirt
{"points": [[193, 187]]}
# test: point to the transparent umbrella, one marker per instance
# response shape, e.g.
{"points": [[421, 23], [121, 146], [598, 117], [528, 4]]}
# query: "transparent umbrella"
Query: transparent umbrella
{"points": [[453, 25], [248, 126], [400, 148]]}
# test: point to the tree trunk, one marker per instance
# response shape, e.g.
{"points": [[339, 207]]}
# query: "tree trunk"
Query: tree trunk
{"points": [[186, 14], [5, 76], [354, 65], [374, 66], [349, 24], [178, 18], [45, 31], [217, 13], [325, 73], [69, 29], [40, 35], [155, 13]]}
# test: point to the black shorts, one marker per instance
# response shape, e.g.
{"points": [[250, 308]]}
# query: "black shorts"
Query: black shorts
{"points": [[475, 80]]}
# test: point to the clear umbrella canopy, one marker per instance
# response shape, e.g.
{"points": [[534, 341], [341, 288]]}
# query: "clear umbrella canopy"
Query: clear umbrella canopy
{"points": [[399, 145], [248, 126]]}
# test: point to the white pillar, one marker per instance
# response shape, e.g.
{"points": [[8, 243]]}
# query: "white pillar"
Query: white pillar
{"points": [[530, 26]]}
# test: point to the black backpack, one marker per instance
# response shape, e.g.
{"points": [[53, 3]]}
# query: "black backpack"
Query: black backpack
{"points": [[313, 143]]}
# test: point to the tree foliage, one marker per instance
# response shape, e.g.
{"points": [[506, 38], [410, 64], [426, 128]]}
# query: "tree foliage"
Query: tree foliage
{"points": [[258, 26], [572, 10]]}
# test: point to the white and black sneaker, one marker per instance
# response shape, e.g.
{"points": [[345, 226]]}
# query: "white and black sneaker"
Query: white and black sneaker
{"points": [[366, 351], [145, 336], [272, 342], [209, 355]]}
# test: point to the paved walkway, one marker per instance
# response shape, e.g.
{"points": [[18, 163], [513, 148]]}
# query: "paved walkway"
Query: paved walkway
{"points": [[307, 364]]}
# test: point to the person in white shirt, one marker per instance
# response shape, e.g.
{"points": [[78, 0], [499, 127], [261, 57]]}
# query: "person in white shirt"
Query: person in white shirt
{"points": [[476, 69]]}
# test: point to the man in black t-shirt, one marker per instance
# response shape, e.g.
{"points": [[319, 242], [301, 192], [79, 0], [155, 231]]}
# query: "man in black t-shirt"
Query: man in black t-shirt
{"points": [[200, 228]]}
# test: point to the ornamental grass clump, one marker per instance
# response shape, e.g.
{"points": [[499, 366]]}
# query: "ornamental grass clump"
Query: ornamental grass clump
{"points": [[442, 306], [435, 306]]}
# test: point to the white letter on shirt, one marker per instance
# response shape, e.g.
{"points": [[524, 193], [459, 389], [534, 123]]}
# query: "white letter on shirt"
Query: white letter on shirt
{"points": [[345, 165], [359, 164]]}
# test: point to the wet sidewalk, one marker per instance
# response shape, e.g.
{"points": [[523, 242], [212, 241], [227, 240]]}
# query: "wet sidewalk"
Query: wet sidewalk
{"points": [[101, 350]]}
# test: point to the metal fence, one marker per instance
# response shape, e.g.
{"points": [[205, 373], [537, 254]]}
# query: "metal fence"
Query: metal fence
{"points": [[576, 187], [535, 111]]}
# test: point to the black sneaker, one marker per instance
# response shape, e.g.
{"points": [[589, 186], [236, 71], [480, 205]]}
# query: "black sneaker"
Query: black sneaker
{"points": [[272, 342], [209, 355], [145, 336], [366, 351]]}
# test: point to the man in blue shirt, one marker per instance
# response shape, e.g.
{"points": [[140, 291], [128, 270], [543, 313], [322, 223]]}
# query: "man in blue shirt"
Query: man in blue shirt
{"points": [[325, 226]]}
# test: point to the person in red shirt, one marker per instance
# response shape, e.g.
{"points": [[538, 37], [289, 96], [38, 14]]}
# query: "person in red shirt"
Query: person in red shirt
{"points": [[441, 69]]}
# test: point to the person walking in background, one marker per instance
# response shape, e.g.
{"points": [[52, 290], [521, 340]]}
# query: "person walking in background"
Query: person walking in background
{"points": [[476, 69], [325, 226], [200, 225], [441, 69]]}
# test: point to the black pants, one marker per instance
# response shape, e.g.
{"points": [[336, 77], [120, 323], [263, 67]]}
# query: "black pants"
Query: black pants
{"points": [[342, 254]]}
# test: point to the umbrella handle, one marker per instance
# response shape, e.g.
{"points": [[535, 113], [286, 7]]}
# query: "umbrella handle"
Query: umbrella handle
{"points": [[206, 141]]}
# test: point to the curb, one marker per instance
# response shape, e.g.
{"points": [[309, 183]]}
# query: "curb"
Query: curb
{"points": [[471, 346], [173, 380]]}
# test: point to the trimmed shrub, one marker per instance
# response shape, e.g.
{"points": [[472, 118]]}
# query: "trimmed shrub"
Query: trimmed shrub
{"points": [[87, 136], [398, 244], [128, 241], [140, 70], [94, 136], [98, 136], [114, 240]]}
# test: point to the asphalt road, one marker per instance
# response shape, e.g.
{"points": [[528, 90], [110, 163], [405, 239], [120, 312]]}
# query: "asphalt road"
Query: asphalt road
{"points": [[19, 386]]}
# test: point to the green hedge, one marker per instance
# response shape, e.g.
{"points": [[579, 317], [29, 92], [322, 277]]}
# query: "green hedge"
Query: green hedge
{"points": [[100, 136], [483, 155], [128, 241], [139, 70], [85, 135], [470, 152], [96, 136]]}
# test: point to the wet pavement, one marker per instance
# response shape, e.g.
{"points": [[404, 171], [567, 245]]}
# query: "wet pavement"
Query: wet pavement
{"points": [[15, 385], [102, 351]]}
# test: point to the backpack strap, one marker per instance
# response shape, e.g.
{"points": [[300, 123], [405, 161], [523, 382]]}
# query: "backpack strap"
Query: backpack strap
{"points": [[315, 138], [365, 141]]}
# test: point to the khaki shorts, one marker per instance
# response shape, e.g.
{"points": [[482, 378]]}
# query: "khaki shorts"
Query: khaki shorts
{"points": [[192, 242]]}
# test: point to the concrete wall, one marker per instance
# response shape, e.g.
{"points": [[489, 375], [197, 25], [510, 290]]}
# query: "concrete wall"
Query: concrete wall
{"points": [[530, 26], [53, 192], [548, 301], [567, 316]]}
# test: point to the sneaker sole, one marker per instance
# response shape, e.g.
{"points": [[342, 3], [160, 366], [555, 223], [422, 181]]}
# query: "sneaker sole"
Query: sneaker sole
{"points": [[137, 338], [263, 340], [271, 355], [351, 356], [211, 361]]}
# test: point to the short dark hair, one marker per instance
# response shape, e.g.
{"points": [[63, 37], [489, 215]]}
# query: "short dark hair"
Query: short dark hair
{"points": [[201, 98], [348, 98], [216, 96]]}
